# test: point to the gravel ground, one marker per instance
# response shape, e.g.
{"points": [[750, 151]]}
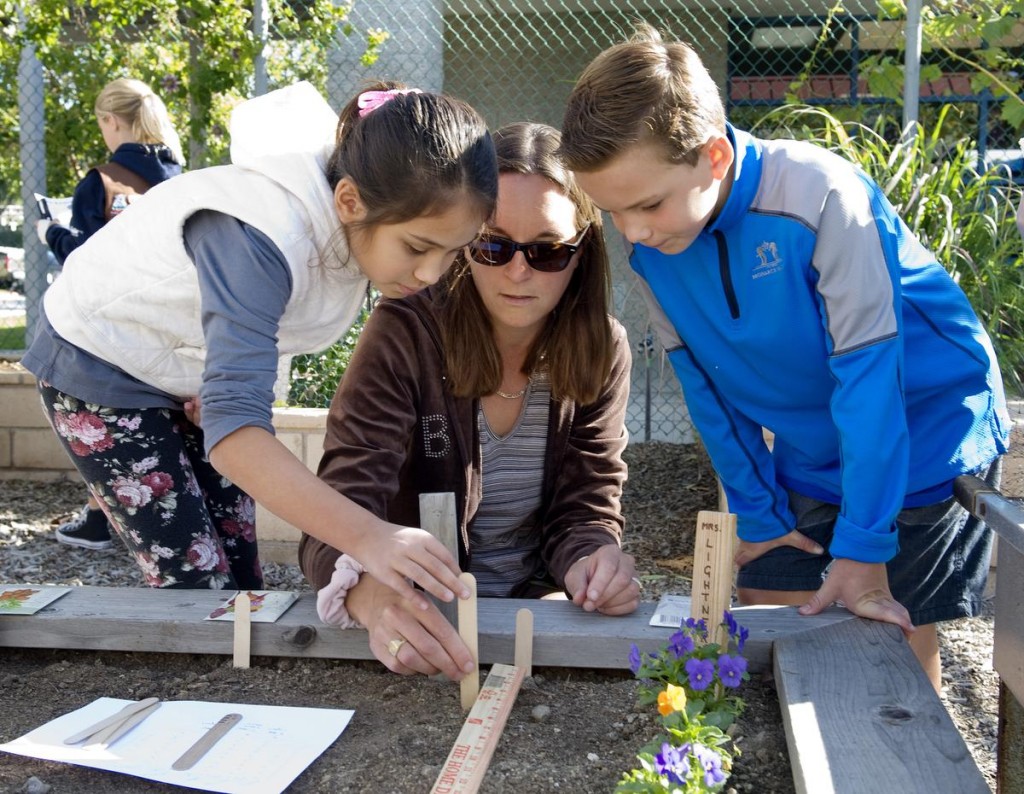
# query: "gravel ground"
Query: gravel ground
{"points": [[588, 738]]}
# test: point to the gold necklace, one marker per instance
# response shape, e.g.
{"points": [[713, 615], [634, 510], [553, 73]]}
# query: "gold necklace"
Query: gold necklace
{"points": [[514, 395]]}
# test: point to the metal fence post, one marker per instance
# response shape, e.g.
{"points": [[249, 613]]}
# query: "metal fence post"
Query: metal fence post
{"points": [[261, 32], [32, 117], [912, 67]]}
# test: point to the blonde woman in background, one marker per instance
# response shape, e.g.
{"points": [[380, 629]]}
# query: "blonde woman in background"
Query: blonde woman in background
{"points": [[145, 150]]}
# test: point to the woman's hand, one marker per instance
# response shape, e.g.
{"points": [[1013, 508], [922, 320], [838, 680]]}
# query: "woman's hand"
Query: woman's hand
{"points": [[863, 588], [604, 582], [748, 552], [431, 644]]}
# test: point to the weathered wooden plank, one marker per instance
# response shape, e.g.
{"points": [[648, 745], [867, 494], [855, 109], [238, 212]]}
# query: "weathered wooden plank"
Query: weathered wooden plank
{"points": [[171, 621], [861, 716], [1010, 752], [1008, 631], [437, 516]]}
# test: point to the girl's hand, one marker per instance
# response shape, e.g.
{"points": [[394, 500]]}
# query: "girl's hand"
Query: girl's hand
{"points": [[404, 553], [604, 582], [863, 588], [748, 552], [193, 410], [431, 645]]}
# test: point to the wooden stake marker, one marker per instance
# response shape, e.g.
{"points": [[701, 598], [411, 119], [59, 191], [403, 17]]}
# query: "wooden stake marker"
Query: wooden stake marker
{"points": [[713, 552], [524, 641], [437, 516], [470, 684], [243, 630]]}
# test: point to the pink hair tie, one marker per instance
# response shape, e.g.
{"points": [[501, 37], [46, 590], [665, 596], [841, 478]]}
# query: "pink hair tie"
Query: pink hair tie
{"points": [[369, 101]]}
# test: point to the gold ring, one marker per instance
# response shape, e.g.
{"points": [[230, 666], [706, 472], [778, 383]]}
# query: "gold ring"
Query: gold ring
{"points": [[395, 646]]}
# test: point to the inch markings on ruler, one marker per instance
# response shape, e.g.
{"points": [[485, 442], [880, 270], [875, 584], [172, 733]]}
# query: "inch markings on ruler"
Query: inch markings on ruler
{"points": [[464, 769]]}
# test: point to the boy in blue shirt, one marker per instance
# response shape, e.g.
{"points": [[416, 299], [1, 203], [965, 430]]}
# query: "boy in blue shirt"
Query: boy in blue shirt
{"points": [[790, 296]]}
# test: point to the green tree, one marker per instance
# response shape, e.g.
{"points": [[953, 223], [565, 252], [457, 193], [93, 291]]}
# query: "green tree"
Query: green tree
{"points": [[982, 37], [197, 54]]}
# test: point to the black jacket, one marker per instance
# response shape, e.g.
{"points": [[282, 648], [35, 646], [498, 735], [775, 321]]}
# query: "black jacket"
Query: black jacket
{"points": [[153, 162]]}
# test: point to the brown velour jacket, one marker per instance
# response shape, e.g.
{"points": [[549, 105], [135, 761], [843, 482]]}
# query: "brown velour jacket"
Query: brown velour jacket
{"points": [[394, 431]]}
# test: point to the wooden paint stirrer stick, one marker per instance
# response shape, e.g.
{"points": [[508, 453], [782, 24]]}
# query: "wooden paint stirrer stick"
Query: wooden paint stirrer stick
{"points": [[470, 684], [243, 628]]}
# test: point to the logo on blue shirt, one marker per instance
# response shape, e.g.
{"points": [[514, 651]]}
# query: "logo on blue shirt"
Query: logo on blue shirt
{"points": [[768, 254]]}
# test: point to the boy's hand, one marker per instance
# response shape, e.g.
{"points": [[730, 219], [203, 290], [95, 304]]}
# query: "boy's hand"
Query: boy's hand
{"points": [[397, 554], [748, 552], [863, 588], [604, 582]]}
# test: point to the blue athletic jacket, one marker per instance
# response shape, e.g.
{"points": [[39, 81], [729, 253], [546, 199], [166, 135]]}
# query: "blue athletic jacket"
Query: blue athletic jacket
{"points": [[807, 307]]}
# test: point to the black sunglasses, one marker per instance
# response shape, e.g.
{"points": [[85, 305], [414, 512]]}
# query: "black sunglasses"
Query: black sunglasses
{"points": [[494, 251]]}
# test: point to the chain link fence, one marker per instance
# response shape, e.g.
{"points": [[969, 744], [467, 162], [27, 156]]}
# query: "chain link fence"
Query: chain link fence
{"points": [[511, 59]]}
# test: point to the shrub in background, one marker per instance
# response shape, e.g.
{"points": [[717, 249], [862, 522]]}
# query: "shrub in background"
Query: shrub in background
{"points": [[315, 376]]}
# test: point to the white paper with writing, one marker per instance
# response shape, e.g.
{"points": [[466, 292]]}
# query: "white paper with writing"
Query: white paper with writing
{"points": [[263, 754]]}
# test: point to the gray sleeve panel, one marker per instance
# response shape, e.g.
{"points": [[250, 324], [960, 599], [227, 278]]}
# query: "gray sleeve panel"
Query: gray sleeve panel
{"points": [[666, 332], [827, 194]]}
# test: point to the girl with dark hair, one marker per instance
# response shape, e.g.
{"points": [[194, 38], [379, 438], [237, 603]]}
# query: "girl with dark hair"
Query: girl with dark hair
{"points": [[207, 279]]}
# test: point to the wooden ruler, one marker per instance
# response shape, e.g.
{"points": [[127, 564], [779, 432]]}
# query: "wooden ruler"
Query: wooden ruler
{"points": [[467, 763]]}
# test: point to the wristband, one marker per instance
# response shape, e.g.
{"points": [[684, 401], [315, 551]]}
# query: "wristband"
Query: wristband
{"points": [[330, 600]]}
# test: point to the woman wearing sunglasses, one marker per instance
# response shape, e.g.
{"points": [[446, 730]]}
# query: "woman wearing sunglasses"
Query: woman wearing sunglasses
{"points": [[506, 384]]}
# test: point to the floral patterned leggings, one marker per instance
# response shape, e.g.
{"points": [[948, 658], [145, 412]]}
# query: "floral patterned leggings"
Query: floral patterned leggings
{"points": [[185, 524]]}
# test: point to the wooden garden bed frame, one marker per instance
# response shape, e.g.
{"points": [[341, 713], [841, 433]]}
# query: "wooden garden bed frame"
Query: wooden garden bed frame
{"points": [[860, 714]]}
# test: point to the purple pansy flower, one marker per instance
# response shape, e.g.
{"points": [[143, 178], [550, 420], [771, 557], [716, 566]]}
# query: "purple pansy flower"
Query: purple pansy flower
{"points": [[634, 658], [742, 638], [673, 762], [731, 669], [698, 626], [680, 644], [701, 673], [711, 763]]}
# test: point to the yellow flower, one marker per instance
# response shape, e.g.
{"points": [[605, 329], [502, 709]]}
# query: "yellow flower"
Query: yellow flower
{"points": [[672, 699]]}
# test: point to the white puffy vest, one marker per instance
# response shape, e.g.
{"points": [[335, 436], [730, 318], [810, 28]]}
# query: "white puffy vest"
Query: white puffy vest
{"points": [[130, 295], [149, 326]]}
